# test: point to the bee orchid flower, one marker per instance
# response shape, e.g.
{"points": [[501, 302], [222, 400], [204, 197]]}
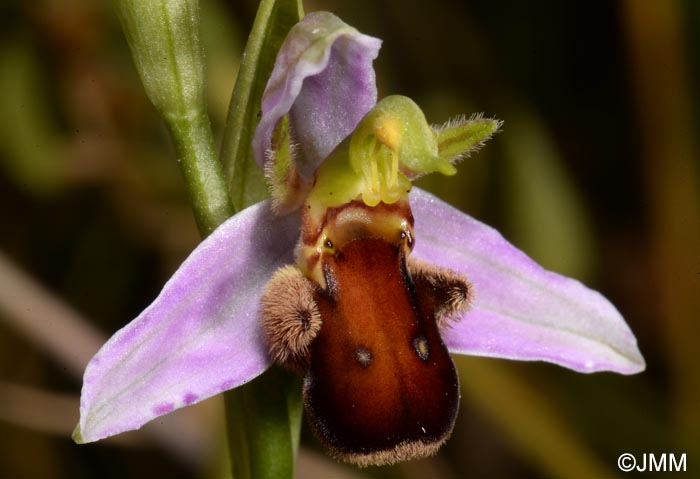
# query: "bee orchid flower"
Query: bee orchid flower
{"points": [[349, 275]]}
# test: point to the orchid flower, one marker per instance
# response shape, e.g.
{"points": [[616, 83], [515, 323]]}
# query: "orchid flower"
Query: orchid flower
{"points": [[349, 276]]}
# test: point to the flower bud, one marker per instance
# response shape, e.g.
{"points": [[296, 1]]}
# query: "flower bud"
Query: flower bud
{"points": [[164, 39]]}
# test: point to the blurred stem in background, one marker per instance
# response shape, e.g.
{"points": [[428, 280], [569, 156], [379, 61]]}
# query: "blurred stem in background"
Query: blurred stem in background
{"points": [[30, 134], [542, 434], [164, 38], [670, 154]]}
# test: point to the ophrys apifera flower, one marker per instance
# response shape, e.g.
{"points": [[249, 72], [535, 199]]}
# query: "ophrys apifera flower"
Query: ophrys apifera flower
{"points": [[349, 276]]}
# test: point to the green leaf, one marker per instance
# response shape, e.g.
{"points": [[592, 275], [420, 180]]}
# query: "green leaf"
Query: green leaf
{"points": [[245, 180]]}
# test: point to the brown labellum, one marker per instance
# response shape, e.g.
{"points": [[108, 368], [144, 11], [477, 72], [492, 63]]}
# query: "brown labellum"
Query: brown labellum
{"points": [[380, 386]]}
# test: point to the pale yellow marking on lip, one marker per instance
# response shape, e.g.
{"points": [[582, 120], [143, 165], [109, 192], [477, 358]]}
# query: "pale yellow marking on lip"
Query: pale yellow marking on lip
{"points": [[420, 344]]}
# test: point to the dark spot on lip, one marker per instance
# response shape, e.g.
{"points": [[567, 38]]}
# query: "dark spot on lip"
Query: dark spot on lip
{"points": [[363, 356]]}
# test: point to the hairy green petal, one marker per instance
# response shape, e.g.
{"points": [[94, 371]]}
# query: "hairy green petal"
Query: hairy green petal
{"points": [[460, 136]]}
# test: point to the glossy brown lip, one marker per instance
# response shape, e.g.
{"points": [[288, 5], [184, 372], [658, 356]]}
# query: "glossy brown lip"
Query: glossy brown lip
{"points": [[381, 386]]}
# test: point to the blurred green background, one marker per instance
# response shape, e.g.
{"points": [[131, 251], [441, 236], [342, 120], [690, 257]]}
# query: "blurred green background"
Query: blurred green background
{"points": [[596, 174]]}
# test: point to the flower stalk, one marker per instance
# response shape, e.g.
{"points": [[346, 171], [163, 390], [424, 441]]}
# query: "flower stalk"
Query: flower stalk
{"points": [[196, 154]]}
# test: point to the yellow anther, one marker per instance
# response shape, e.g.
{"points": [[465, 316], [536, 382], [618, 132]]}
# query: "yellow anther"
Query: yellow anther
{"points": [[383, 182], [388, 131]]}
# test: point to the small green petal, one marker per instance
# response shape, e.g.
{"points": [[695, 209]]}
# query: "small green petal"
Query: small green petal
{"points": [[287, 187], [458, 137]]}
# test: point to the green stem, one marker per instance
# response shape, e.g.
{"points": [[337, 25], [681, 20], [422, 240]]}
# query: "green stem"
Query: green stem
{"points": [[263, 433], [196, 154]]}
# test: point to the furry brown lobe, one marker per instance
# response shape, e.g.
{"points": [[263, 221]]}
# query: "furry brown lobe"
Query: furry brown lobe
{"points": [[290, 318], [450, 293]]}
